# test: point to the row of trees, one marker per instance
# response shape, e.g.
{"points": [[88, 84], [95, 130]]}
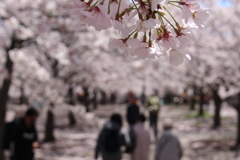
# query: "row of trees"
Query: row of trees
{"points": [[46, 56], [215, 65]]}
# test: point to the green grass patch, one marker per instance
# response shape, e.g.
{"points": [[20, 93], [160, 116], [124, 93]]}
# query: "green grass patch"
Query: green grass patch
{"points": [[196, 115], [227, 118]]}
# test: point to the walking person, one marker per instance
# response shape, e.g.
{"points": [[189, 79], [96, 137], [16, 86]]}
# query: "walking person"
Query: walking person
{"points": [[25, 137], [141, 149], [168, 146], [132, 111], [153, 107], [129, 96], [111, 139]]}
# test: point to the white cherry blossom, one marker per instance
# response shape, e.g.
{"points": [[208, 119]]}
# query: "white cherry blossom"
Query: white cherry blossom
{"points": [[200, 17], [149, 22]]}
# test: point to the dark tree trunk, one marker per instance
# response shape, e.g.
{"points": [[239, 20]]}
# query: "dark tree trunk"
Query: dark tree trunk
{"points": [[238, 129], [86, 99], [95, 103], [70, 96], [193, 103], [201, 110], [49, 127], [3, 99], [237, 107], [113, 97], [193, 100], [71, 117], [103, 97], [55, 68], [217, 113]]}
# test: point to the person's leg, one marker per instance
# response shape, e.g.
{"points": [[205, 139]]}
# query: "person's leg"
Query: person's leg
{"points": [[155, 118], [153, 123], [151, 119], [156, 123]]}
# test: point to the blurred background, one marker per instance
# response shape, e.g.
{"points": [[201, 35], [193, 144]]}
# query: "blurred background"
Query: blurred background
{"points": [[48, 57]]}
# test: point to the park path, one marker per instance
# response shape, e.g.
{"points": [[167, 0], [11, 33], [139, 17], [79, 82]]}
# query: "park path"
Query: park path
{"points": [[199, 141]]}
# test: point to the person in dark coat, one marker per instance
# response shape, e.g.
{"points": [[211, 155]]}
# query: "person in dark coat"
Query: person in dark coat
{"points": [[25, 137], [132, 111], [106, 140]]}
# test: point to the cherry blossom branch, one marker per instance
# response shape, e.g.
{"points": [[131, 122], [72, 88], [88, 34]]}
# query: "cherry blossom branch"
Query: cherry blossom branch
{"points": [[119, 4], [141, 17], [174, 5], [139, 14], [170, 15]]}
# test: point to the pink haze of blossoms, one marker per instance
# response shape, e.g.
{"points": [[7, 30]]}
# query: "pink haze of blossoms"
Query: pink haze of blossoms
{"points": [[148, 28]]}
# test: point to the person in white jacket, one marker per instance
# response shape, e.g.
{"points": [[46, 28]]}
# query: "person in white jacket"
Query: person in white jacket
{"points": [[168, 146], [141, 150]]}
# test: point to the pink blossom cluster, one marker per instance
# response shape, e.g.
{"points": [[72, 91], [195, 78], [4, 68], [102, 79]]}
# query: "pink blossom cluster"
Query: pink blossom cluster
{"points": [[148, 28]]}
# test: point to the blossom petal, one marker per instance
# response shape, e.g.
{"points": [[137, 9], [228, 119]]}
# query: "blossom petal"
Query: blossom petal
{"points": [[175, 58]]}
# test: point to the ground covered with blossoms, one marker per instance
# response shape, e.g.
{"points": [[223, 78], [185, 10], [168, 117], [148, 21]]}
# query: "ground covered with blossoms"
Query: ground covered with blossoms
{"points": [[200, 142]]}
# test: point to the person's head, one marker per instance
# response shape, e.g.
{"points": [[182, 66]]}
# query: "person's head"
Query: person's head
{"points": [[141, 118], [130, 97], [130, 93], [155, 93], [133, 99], [117, 118], [168, 124], [31, 115]]}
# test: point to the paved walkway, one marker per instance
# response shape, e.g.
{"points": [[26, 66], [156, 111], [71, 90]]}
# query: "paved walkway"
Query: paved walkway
{"points": [[198, 140]]}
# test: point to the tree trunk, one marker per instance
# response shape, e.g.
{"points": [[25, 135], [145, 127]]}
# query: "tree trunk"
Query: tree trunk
{"points": [[71, 117], [217, 113], [95, 103], [113, 97], [49, 127], [103, 97], [55, 69], [193, 100], [3, 100], [86, 98], [201, 110], [238, 129], [237, 107], [193, 103], [70, 96], [217, 116]]}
